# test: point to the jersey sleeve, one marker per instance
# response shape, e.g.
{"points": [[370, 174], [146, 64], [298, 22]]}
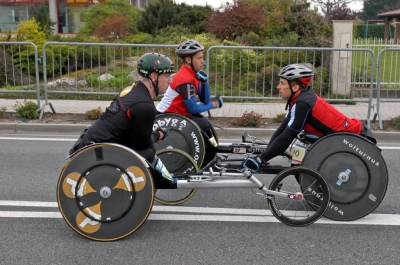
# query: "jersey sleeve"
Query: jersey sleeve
{"points": [[288, 130], [187, 91], [279, 145], [195, 108], [204, 93], [299, 114]]}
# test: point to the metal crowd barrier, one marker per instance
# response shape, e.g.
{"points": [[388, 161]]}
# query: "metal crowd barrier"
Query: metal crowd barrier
{"points": [[389, 90], [341, 74], [20, 63], [345, 75], [92, 68]]}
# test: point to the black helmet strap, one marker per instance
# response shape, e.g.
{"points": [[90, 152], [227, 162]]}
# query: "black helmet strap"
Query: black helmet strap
{"points": [[291, 96], [155, 84], [191, 61]]}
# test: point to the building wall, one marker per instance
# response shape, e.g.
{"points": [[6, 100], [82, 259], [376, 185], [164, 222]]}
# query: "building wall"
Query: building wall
{"points": [[68, 14]]}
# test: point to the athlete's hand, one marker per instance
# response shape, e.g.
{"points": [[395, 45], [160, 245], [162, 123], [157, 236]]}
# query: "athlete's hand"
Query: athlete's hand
{"points": [[202, 76], [163, 134], [252, 163], [218, 101]]}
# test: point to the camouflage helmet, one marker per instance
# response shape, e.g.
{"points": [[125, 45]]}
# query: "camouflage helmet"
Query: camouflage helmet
{"points": [[154, 62]]}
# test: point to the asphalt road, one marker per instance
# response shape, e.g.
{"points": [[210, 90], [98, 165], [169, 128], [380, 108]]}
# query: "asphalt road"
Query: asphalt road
{"points": [[237, 231]]}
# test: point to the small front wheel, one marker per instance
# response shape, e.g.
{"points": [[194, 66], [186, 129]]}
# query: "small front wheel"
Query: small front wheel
{"points": [[176, 162], [297, 185]]}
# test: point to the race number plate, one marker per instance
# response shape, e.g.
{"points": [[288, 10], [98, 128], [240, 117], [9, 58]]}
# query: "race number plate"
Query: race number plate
{"points": [[299, 151], [239, 150]]}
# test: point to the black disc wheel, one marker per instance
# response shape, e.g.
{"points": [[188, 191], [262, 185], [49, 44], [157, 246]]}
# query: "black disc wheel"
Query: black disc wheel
{"points": [[184, 135], [105, 192], [355, 171], [176, 162], [291, 205]]}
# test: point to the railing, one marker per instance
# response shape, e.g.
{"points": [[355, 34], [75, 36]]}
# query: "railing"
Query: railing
{"points": [[388, 91], [236, 72], [252, 72], [20, 63], [93, 68]]}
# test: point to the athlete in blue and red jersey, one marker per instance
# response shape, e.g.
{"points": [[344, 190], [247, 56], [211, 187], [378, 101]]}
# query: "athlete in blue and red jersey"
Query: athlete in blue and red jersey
{"points": [[307, 112], [188, 86]]}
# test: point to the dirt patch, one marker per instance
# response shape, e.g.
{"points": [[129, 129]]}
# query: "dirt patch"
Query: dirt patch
{"points": [[62, 118]]}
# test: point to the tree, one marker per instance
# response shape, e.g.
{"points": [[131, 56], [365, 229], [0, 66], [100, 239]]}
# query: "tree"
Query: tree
{"points": [[372, 8], [308, 25], [327, 6], [98, 14], [234, 20], [113, 27], [166, 13], [42, 16], [274, 11], [342, 12]]}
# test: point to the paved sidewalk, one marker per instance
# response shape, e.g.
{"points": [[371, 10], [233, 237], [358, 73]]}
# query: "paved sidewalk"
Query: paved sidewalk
{"points": [[268, 110]]}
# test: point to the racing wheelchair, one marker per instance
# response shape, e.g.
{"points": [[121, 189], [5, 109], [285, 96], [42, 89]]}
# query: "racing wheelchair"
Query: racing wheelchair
{"points": [[105, 191], [351, 164]]}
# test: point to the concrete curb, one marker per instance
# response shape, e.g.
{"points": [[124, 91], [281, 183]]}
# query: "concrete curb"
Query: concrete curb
{"points": [[227, 133], [40, 128]]}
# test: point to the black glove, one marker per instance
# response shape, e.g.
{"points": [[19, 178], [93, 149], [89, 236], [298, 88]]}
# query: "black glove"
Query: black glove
{"points": [[219, 101], [202, 76], [165, 131], [252, 163]]}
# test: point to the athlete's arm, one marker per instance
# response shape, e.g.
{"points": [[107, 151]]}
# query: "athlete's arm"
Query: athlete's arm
{"points": [[280, 130], [187, 91], [143, 118], [281, 141], [204, 93]]}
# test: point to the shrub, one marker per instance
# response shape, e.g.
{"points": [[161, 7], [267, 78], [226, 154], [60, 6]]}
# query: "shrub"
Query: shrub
{"points": [[28, 109], [248, 119], [395, 122], [279, 118], [139, 38], [2, 111], [93, 114]]}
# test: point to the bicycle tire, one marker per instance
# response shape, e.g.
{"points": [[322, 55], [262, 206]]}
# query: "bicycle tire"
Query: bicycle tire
{"points": [[299, 212], [176, 161]]}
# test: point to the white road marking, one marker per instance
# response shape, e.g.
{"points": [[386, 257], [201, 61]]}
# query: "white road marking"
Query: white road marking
{"points": [[198, 214]]}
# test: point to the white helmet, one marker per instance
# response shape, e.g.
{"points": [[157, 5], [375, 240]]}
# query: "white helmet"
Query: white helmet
{"points": [[297, 71]]}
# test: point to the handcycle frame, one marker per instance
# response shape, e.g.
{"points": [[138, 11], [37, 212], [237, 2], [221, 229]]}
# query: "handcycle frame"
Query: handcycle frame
{"points": [[105, 191], [353, 166]]}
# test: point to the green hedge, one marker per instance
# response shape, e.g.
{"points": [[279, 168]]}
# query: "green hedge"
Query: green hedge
{"points": [[374, 31]]}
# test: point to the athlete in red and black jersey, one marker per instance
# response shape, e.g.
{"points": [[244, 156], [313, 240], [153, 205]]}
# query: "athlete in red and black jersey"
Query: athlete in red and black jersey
{"points": [[307, 112]]}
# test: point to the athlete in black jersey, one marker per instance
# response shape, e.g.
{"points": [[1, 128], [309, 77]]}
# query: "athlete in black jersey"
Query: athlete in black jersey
{"points": [[129, 118], [306, 112]]}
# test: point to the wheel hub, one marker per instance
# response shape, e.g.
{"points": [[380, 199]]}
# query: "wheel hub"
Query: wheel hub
{"points": [[105, 192]]}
